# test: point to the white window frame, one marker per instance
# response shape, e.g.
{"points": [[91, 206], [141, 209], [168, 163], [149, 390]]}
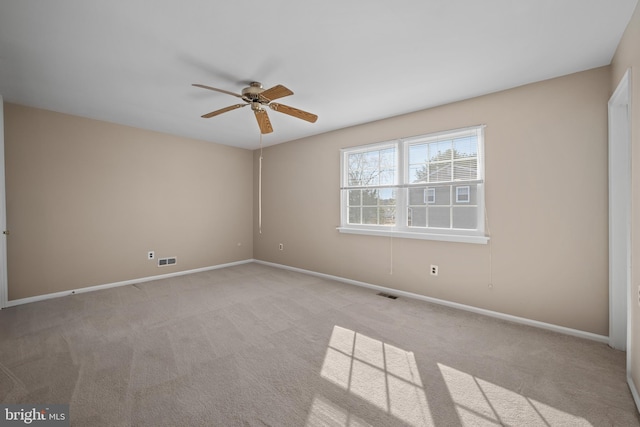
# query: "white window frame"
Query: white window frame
{"points": [[402, 178]]}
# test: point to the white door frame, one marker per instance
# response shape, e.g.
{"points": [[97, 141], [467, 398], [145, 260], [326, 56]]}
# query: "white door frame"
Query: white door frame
{"points": [[620, 214], [4, 294]]}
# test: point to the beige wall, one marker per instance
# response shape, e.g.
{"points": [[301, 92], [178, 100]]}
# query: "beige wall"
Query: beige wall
{"points": [[86, 201], [628, 56], [546, 199]]}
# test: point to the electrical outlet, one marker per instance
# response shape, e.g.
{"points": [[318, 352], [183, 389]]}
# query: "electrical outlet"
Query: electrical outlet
{"points": [[151, 255], [434, 270], [281, 247]]}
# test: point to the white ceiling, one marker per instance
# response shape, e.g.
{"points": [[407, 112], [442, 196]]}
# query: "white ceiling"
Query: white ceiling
{"points": [[348, 61]]}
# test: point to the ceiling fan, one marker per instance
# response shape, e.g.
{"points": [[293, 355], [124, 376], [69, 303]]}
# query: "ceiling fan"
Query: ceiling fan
{"points": [[258, 97]]}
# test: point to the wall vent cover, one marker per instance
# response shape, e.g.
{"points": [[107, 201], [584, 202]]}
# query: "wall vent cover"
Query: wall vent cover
{"points": [[163, 262], [386, 295]]}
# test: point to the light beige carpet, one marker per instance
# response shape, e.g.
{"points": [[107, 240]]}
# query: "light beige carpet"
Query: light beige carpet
{"points": [[253, 345]]}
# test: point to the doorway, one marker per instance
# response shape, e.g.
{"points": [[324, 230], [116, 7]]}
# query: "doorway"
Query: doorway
{"points": [[3, 218], [619, 213]]}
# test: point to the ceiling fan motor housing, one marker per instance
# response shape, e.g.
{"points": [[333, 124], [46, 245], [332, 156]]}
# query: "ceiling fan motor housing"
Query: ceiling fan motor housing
{"points": [[250, 94]]}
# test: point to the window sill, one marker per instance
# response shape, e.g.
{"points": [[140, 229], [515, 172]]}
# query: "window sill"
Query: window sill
{"points": [[459, 238]]}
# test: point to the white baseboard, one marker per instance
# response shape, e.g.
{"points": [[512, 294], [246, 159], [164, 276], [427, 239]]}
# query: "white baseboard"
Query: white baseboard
{"points": [[634, 391], [490, 313], [123, 283]]}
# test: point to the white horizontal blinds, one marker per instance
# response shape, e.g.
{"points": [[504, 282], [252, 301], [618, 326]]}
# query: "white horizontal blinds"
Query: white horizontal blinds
{"points": [[444, 158], [371, 184]]}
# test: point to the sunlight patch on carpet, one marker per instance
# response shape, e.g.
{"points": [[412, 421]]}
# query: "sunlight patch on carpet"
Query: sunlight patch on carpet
{"points": [[480, 402], [381, 374], [325, 413]]}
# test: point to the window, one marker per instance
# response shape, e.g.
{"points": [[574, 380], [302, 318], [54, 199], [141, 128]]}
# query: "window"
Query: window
{"points": [[372, 182], [429, 195], [462, 194], [425, 187]]}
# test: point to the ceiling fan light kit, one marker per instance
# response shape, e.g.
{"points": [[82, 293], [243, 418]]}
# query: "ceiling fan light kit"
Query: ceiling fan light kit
{"points": [[258, 97]]}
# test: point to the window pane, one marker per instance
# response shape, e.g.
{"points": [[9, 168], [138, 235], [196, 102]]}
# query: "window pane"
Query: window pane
{"points": [[355, 215], [354, 179], [387, 177], [418, 173], [374, 207], [443, 195], [387, 196], [465, 217], [416, 196], [382, 196], [370, 197], [355, 197], [387, 215], [370, 215], [439, 217], [417, 217], [465, 169], [371, 158], [440, 172], [373, 167], [388, 158], [417, 153], [370, 176], [465, 147], [440, 151], [473, 194], [355, 166]]}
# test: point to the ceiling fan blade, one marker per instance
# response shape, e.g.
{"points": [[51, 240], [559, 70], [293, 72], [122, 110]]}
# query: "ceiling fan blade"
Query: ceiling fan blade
{"points": [[263, 121], [275, 92], [217, 90], [223, 110], [281, 108]]}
